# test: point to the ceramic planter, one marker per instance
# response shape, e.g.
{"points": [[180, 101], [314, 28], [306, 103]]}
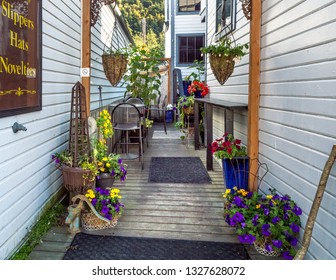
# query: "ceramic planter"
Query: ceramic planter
{"points": [[236, 172]]}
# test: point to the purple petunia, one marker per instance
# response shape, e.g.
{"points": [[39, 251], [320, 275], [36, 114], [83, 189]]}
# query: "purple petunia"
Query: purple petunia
{"points": [[255, 219], [266, 211], [239, 202], [94, 201], [294, 227], [268, 248], [293, 241], [297, 210], [265, 229], [112, 173], [119, 161], [247, 238], [277, 243], [108, 216], [275, 220], [105, 210], [287, 256], [286, 207]]}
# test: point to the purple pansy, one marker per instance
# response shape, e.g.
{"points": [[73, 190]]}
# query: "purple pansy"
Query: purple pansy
{"points": [[297, 210], [275, 220], [247, 238], [294, 227], [277, 243], [265, 229], [287, 256]]}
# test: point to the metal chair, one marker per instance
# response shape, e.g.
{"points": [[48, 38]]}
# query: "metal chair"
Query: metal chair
{"points": [[126, 117]]}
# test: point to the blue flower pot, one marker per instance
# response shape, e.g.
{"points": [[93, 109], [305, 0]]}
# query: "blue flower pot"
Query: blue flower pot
{"points": [[169, 116], [186, 84], [236, 172], [198, 94]]}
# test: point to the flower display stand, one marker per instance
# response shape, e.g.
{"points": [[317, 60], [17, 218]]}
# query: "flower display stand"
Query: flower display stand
{"points": [[236, 172], [79, 217]]}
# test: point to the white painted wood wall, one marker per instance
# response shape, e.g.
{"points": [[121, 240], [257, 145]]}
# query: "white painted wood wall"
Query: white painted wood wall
{"points": [[28, 178], [297, 114]]}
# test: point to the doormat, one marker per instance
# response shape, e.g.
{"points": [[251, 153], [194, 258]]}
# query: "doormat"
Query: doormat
{"points": [[178, 170], [97, 247]]}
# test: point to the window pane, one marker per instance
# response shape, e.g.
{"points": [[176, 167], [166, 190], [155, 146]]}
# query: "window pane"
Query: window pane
{"points": [[189, 5], [189, 49]]}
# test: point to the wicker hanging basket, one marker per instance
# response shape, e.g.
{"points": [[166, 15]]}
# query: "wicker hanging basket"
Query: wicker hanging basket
{"points": [[246, 7], [188, 110], [222, 67], [115, 66]]}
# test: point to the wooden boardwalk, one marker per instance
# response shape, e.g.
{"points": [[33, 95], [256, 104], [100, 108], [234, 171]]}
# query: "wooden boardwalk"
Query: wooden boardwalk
{"points": [[176, 211]]}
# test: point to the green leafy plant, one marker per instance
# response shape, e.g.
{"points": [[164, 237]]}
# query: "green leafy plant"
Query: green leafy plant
{"points": [[226, 47], [271, 221], [227, 147], [200, 70]]}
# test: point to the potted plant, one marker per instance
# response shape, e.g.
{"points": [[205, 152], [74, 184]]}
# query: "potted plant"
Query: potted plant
{"points": [[198, 89], [78, 176], [115, 64], [222, 57], [106, 207], [196, 75], [271, 222], [235, 161], [109, 166]]}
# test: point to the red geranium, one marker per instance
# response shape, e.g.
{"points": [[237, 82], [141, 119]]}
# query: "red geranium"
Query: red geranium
{"points": [[198, 86]]}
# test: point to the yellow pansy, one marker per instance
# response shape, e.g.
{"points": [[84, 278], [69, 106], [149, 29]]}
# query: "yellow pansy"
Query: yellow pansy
{"points": [[257, 206], [105, 159], [269, 196], [108, 164], [102, 169]]}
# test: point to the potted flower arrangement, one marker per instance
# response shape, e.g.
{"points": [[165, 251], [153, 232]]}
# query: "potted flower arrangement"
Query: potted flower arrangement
{"points": [[106, 203], [78, 176], [109, 166], [271, 223], [234, 158], [222, 57], [198, 89]]}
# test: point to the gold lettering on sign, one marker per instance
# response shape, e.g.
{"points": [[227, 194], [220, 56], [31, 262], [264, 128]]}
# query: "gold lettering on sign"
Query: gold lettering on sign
{"points": [[18, 43], [18, 20], [13, 69]]}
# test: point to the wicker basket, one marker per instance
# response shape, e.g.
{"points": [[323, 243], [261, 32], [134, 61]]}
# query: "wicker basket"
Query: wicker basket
{"points": [[188, 110], [246, 7], [222, 67], [76, 179], [260, 248], [91, 222], [115, 66]]}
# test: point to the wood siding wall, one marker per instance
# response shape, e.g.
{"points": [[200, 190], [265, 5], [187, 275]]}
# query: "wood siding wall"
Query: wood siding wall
{"points": [[28, 178], [298, 101], [297, 105]]}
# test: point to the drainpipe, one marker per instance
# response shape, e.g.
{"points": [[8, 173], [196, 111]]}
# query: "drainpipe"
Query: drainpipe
{"points": [[172, 35], [254, 89]]}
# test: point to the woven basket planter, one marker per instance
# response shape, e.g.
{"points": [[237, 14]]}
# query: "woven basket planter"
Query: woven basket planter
{"points": [[260, 248], [91, 222], [188, 110], [115, 66], [222, 67], [76, 179]]}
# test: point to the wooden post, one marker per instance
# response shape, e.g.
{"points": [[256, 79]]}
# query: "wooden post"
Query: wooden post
{"points": [[86, 48], [254, 88]]}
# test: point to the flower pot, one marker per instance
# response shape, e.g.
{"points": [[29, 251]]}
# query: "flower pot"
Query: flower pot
{"points": [[169, 116], [188, 110], [222, 67], [236, 172], [260, 248], [115, 66], [91, 221], [104, 181], [186, 84], [76, 179], [198, 94]]}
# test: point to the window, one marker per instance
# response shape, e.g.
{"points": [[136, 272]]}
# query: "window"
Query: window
{"points": [[225, 17], [189, 48], [189, 5]]}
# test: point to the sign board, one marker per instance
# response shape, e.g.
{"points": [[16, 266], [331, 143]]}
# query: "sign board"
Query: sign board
{"points": [[20, 57]]}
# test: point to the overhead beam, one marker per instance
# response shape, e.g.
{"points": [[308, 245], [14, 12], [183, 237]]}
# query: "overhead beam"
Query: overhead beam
{"points": [[254, 89]]}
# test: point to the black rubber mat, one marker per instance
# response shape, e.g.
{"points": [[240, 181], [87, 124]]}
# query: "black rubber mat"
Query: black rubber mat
{"points": [[97, 247], [178, 170]]}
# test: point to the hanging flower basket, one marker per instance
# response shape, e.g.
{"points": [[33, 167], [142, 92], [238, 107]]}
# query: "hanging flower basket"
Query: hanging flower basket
{"points": [[188, 110], [246, 7], [115, 66], [222, 66]]}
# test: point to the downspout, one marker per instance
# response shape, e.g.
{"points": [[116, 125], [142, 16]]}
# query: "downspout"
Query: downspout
{"points": [[172, 34], [86, 49], [254, 89]]}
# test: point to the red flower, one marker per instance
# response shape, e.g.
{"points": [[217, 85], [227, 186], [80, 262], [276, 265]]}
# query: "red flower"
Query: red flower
{"points": [[198, 86]]}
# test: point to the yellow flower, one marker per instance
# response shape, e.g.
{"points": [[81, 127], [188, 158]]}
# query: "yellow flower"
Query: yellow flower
{"points": [[258, 206], [90, 194], [102, 169], [105, 159], [100, 163], [235, 188], [108, 164], [269, 196]]}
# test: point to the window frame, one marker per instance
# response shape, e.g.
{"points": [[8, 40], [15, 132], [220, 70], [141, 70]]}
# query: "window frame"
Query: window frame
{"points": [[226, 28], [178, 39], [187, 12]]}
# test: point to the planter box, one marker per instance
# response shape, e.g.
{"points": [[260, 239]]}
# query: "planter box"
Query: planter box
{"points": [[236, 172]]}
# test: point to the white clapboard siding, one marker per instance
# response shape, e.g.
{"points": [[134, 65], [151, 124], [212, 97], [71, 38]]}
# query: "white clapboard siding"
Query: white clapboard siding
{"points": [[28, 177], [297, 114], [236, 87]]}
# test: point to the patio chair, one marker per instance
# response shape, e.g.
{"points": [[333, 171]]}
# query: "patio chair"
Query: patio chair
{"points": [[126, 117]]}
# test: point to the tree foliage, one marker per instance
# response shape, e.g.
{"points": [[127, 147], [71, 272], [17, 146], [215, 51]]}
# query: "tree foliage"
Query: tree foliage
{"points": [[134, 11]]}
